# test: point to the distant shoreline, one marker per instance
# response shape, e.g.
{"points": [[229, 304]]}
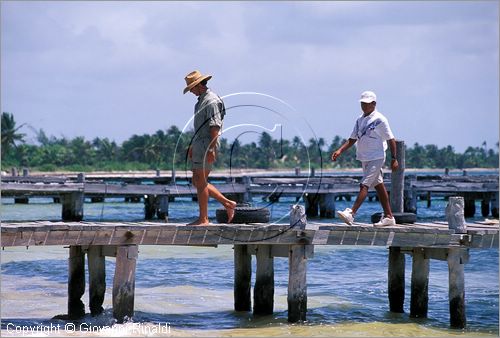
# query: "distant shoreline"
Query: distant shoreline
{"points": [[154, 173]]}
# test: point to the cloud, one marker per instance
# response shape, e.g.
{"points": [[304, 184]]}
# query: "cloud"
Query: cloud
{"points": [[112, 69]]}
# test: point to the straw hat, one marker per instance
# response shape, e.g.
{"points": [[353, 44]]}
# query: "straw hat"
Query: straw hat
{"points": [[193, 78]]}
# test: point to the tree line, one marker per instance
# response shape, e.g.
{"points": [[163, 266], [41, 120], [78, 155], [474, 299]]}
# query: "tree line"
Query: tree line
{"points": [[167, 149]]}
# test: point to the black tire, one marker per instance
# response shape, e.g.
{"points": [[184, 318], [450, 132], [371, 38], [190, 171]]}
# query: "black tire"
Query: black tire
{"points": [[401, 217], [245, 215]]}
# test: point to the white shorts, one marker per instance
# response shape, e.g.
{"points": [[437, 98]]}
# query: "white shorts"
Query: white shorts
{"points": [[372, 172]]}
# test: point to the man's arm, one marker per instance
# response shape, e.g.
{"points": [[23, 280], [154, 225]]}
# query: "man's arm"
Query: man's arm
{"points": [[394, 161], [347, 144], [212, 148]]}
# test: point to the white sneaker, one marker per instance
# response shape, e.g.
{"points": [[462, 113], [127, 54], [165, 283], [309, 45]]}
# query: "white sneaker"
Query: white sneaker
{"points": [[346, 216], [385, 221]]}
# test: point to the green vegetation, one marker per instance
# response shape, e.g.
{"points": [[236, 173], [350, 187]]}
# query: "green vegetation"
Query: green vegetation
{"points": [[166, 149]]}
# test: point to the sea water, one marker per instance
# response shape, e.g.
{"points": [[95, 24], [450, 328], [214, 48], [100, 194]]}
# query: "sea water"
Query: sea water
{"points": [[188, 291]]}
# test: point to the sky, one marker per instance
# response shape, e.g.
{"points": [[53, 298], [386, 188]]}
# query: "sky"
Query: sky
{"points": [[115, 69]]}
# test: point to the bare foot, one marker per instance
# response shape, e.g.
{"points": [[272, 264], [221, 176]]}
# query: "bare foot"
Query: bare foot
{"points": [[230, 210], [199, 222]]}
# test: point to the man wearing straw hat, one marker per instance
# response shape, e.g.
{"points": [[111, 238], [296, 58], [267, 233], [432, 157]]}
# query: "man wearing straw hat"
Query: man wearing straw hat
{"points": [[208, 115]]}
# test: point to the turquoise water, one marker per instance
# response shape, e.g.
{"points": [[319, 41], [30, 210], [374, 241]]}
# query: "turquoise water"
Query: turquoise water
{"points": [[187, 291]]}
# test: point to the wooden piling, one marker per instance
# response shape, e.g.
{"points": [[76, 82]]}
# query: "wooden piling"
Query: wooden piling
{"points": [[298, 219], [410, 196], [297, 283], [247, 196], [72, 203], [494, 205], [242, 278], [149, 206], [456, 289], [97, 279], [311, 203], [419, 284], [469, 207], [455, 214], [162, 207], [72, 206], [76, 282], [263, 294], [398, 179], [396, 280], [124, 282], [327, 206], [485, 207]]}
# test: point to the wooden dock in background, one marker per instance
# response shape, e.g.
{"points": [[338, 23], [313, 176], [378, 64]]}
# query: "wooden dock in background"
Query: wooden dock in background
{"points": [[318, 193]]}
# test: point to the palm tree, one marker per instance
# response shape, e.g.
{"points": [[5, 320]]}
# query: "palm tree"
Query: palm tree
{"points": [[10, 136]]}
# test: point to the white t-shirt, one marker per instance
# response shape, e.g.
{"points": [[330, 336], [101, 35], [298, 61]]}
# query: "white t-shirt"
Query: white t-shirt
{"points": [[371, 133]]}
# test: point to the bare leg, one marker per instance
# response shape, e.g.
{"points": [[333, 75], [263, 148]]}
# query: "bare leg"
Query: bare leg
{"points": [[228, 204], [384, 199], [363, 192], [200, 182], [203, 191]]}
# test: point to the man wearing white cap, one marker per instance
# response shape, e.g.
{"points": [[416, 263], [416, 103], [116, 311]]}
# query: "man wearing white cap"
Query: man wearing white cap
{"points": [[372, 133], [209, 112]]}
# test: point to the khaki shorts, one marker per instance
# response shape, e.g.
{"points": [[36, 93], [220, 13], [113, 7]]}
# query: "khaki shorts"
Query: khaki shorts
{"points": [[372, 172], [199, 159]]}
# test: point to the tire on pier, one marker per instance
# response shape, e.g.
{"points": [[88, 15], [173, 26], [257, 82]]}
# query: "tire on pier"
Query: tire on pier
{"points": [[401, 217], [244, 214]]}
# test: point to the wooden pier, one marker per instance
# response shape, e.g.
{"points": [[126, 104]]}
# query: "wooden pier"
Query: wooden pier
{"points": [[318, 193], [422, 241], [449, 241]]}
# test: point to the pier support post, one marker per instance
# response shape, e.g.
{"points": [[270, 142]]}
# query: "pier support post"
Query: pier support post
{"points": [[410, 196], [494, 205], [419, 284], [97, 279], [327, 206], [242, 278], [149, 206], [396, 280], [263, 292], [298, 219], [297, 283], [311, 202], [162, 207], [76, 282], [72, 206], [456, 288], [469, 207], [455, 214], [124, 282], [485, 207], [398, 179]]}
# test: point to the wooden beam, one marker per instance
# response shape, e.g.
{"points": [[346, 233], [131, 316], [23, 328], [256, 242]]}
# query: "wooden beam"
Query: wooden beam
{"points": [[76, 282], [396, 280], [263, 293], [419, 284], [456, 291], [72, 206], [97, 278], [124, 282], [297, 284], [242, 278], [398, 179]]}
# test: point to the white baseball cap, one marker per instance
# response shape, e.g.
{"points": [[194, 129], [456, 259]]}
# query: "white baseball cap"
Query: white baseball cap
{"points": [[368, 97]]}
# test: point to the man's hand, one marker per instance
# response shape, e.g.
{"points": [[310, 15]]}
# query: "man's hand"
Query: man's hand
{"points": [[394, 164], [190, 152], [211, 155], [335, 155]]}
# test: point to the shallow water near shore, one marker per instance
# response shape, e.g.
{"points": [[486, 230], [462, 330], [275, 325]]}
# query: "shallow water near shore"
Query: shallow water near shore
{"points": [[188, 291]]}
